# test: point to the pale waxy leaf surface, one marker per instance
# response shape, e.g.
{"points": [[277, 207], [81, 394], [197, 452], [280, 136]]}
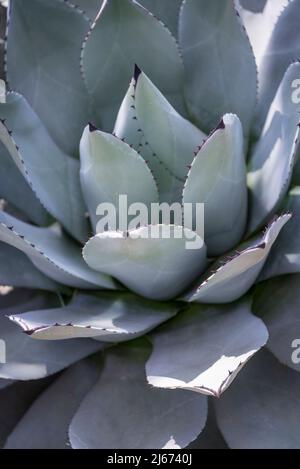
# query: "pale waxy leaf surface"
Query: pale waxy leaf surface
{"points": [[56, 181], [15, 189], [111, 317], [273, 157], [283, 49], [214, 45], [208, 344], [44, 65], [217, 178], [165, 10], [17, 270], [276, 301], [259, 18], [124, 34], [123, 411], [110, 168], [57, 256], [33, 359], [262, 409], [48, 424], [155, 267], [285, 254], [164, 139], [231, 277]]}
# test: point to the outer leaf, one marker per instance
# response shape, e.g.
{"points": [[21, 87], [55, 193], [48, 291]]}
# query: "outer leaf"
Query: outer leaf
{"points": [[218, 178], [231, 277], [45, 65], [110, 317], [209, 345], [15, 189], [262, 409], [277, 303], [110, 168], [134, 415], [164, 139], [33, 359], [47, 424], [125, 34], [285, 254], [56, 180], [14, 401], [52, 253], [259, 18], [17, 270], [283, 48], [273, 158], [213, 45], [166, 10], [211, 437], [155, 267]]}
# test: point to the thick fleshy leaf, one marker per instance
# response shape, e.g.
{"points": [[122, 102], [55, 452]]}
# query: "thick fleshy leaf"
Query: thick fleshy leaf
{"points": [[217, 178], [132, 414], [214, 44], [110, 168], [285, 254], [57, 256], [17, 270], [15, 189], [259, 18], [110, 317], [45, 65], [262, 409], [55, 181], [153, 261], [209, 345], [283, 49], [48, 418], [14, 402], [33, 359], [164, 139], [167, 11], [274, 155], [231, 277], [210, 437], [277, 303], [124, 34]]}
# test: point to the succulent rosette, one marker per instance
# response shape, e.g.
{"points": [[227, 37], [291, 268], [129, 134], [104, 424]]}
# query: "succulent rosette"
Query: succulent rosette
{"points": [[116, 339]]}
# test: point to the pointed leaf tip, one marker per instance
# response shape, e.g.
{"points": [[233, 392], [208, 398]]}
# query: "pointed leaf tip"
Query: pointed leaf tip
{"points": [[92, 127], [137, 72]]}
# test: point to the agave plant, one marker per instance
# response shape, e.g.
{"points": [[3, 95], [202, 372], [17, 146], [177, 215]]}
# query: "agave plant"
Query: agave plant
{"points": [[164, 101]]}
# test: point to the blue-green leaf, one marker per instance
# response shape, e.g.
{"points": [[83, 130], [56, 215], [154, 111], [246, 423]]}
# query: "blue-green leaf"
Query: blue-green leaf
{"points": [[111, 317], [17, 270], [262, 409], [273, 157], [124, 34], [209, 345], [53, 175], [43, 63], [164, 139], [165, 10], [153, 261], [231, 276], [57, 256], [219, 63], [109, 169], [123, 411], [217, 178]]}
